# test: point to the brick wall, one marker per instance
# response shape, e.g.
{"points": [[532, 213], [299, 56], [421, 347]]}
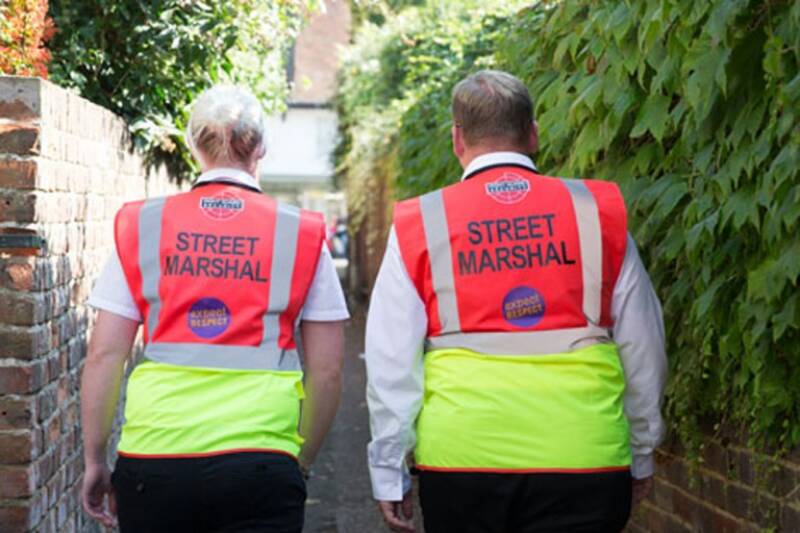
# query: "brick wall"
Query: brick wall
{"points": [[66, 166], [316, 53], [729, 489]]}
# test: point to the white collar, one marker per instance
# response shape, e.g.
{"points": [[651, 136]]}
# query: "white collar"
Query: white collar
{"points": [[497, 158], [231, 175]]}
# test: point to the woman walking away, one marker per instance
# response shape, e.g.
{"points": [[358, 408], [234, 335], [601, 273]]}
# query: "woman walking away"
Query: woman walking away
{"points": [[220, 277]]}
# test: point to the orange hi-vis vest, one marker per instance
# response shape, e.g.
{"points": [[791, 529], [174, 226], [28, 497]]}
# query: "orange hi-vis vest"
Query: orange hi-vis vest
{"points": [[220, 275], [517, 271]]}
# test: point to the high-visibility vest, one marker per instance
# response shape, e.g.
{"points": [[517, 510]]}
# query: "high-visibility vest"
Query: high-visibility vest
{"points": [[517, 271], [220, 275]]}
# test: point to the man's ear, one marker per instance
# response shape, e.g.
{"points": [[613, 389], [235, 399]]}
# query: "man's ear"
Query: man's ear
{"points": [[458, 141], [533, 138]]}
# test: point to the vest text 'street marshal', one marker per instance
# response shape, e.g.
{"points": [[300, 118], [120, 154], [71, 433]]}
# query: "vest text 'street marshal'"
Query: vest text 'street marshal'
{"points": [[219, 274]]}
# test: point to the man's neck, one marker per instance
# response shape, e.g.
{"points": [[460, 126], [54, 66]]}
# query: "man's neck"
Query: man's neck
{"points": [[471, 154]]}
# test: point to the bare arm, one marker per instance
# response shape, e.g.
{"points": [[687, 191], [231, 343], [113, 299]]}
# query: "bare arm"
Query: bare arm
{"points": [[109, 346], [323, 347]]}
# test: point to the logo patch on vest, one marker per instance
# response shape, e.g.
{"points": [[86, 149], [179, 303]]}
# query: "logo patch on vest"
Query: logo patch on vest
{"points": [[209, 317], [509, 188], [223, 206], [523, 307]]}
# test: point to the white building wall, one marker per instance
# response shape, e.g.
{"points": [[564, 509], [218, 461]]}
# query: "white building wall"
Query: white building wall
{"points": [[299, 147]]}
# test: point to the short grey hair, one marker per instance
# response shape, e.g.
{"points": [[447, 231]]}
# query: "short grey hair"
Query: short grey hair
{"points": [[492, 104], [227, 125]]}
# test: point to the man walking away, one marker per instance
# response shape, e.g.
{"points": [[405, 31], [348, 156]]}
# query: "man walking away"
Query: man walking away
{"points": [[514, 342]]}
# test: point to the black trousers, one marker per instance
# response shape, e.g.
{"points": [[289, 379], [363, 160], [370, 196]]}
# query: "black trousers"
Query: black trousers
{"points": [[524, 503], [242, 492]]}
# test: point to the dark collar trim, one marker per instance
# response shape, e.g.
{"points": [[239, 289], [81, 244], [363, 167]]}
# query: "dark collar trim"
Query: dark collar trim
{"points": [[226, 182], [498, 165]]}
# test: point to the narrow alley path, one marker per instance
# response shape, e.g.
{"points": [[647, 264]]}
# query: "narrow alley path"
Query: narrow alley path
{"points": [[339, 492]]}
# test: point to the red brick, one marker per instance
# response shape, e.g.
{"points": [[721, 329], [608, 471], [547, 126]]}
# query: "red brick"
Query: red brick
{"points": [[662, 495], [17, 343], [722, 523], [764, 509], [740, 500], [16, 413], [676, 472], [19, 447], [15, 518], [22, 309], [16, 138], [713, 489], [24, 343], [17, 174], [69, 416], [45, 467], [17, 110], [660, 522], [22, 379], [790, 518], [16, 481], [47, 403], [715, 457], [52, 430], [18, 273], [17, 207]]}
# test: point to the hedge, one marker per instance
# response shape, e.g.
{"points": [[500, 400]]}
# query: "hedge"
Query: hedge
{"points": [[692, 106]]}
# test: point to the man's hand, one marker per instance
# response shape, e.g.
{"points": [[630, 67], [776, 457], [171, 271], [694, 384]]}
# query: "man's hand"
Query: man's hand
{"points": [[96, 486], [399, 516], [641, 489]]}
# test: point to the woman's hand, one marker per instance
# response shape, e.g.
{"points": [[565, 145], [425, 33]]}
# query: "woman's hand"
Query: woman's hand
{"points": [[96, 488]]}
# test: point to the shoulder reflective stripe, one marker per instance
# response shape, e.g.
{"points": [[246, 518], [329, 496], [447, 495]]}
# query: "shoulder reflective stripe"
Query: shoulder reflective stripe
{"points": [[223, 356], [523, 342], [150, 257], [437, 238], [591, 246], [284, 249]]}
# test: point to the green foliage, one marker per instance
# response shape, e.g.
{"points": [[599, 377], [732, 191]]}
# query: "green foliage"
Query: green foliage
{"points": [[693, 106], [378, 11], [148, 60], [395, 82]]}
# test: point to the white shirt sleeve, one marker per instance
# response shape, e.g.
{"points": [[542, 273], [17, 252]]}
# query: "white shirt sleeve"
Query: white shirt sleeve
{"points": [[111, 292], [395, 338], [325, 300], [324, 303], [639, 334]]}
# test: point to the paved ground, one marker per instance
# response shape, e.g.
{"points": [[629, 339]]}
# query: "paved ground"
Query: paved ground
{"points": [[339, 493]]}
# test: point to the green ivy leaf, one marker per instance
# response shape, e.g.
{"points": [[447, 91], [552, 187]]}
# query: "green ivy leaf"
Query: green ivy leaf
{"points": [[653, 117]]}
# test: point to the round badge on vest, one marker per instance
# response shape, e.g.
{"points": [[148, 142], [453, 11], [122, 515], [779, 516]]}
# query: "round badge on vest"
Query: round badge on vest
{"points": [[523, 307], [209, 317]]}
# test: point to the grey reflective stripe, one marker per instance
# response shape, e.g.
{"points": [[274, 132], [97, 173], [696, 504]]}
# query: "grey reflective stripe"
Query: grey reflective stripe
{"points": [[523, 342], [437, 238], [223, 356], [150, 257], [284, 250], [591, 246]]}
